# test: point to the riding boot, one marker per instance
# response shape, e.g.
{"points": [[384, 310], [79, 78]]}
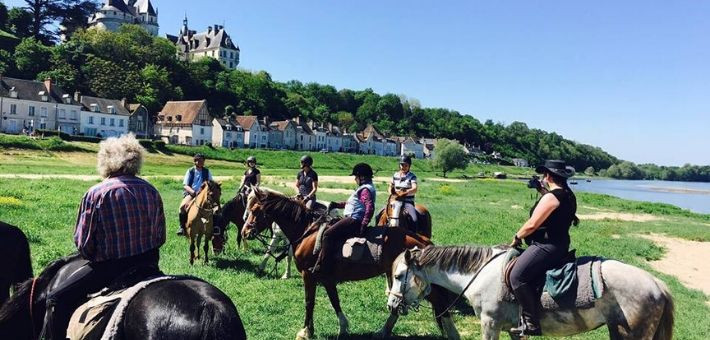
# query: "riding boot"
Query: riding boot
{"points": [[529, 302], [183, 222]]}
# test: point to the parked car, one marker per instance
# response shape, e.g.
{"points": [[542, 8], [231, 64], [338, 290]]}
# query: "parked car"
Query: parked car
{"points": [[324, 150]]}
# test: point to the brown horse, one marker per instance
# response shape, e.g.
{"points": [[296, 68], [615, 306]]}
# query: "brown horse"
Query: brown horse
{"points": [[423, 226], [265, 207], [200, 217]]}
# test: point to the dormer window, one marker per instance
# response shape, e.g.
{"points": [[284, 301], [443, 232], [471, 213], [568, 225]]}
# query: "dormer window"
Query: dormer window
{"points": [[13, 92], [178, 118], [111, 109], [94, 107], [43, 95], [170, 119], [66, 98]]}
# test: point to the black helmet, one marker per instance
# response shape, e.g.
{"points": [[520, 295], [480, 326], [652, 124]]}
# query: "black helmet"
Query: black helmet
{"points": [[251, 159], [362, 169], [306, 160], [198, 156], [405, 159]]}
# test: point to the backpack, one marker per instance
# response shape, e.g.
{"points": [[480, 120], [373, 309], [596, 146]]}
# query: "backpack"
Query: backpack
{"points": [[191, 178]]}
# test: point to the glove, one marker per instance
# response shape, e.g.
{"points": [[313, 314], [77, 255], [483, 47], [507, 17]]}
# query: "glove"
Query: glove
{"points": [[331, 206], [516, 241]]}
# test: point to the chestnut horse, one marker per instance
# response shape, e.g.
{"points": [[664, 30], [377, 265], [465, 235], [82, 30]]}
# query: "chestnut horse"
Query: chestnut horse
{"points": [[200, 217], [423, 226], [265, 207]]}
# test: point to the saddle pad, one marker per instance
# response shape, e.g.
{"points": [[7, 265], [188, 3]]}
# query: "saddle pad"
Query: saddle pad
{"points": [[365, 250], [101, 316], [589, 287]]}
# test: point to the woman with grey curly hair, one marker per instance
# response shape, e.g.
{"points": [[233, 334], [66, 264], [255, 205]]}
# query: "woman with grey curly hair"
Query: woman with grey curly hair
{"points": [[122, 155], [120, 226]]}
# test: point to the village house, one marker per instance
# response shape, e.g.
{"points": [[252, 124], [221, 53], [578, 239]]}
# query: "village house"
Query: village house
{"points": [[305, 140], [391, 147], [140, 122], [288, 133], [29, 105], [320, 134], [350, 143], [256, 135], [214, 43], [371, 141], [334, 139], [227, 133], [102, 117], [409, 146], [185, 122]]}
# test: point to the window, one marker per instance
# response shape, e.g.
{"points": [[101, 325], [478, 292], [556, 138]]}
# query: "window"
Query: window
{"points": [[62, 113], [43, 112], [91, 120], [42, 126], [112, 122], [229, 135], [120, 122], [103, 120], [31, 111], [202, 131], [74, 115], [90, 131], [111, 109]]}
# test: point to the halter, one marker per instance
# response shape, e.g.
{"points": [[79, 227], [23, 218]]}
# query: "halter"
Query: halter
{"points": [[403, 289]]}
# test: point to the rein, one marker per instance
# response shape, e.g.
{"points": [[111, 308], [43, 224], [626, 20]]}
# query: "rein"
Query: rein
{"points": [[32, 299], [469, 284]]}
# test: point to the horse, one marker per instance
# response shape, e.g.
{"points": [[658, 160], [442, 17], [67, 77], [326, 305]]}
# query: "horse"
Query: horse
{"points": [[15, 252], [265, 207], [423, 226], [200, 216], [633, 305], [233, 211], [187, 308]]}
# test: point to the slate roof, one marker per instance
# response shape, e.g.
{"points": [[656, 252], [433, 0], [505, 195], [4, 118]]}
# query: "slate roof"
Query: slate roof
{"points": [[30, 89], [103, 104]]}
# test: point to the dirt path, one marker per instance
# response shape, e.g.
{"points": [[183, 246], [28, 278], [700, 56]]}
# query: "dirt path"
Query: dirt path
{"points": [[686, 260], [626, 217]]}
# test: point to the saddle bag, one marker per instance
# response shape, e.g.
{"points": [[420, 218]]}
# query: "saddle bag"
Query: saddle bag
{"points": [[354, 248]]}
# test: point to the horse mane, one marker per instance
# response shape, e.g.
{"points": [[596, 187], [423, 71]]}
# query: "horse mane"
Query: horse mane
{"points": [[20, 300], [463, 259], [280, 204]]}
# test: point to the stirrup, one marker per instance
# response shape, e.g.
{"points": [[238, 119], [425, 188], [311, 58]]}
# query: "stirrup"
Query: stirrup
{"points": [[523, 331]]}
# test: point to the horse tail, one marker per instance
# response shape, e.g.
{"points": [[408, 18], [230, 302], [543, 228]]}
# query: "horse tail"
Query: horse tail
{"points": [[664, 331]]}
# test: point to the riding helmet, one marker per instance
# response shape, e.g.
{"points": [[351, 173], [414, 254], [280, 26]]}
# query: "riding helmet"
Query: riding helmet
{"points": [[362, 169], [306, 160], [405, 159], [198, 156], [251, 159]]}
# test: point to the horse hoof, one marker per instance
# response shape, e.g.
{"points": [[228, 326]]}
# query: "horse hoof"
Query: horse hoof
{"points": [[303, 334]]}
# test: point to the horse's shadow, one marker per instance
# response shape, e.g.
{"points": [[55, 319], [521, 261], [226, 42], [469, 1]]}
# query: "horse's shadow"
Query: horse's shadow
{"points": [[368, 336], [238, 264]]}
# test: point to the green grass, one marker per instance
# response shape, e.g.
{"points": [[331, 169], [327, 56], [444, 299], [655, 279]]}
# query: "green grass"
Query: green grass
{"points": [[475, 211]]}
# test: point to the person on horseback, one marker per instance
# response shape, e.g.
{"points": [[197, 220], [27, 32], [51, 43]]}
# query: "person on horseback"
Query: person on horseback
{"points": [[547, 236], [191, 186], [252, 176], [307, 182], [359, 209], [120, 226], [404, 186]]}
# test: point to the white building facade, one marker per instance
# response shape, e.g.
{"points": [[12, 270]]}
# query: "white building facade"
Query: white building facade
{"points": [[115, 13]]}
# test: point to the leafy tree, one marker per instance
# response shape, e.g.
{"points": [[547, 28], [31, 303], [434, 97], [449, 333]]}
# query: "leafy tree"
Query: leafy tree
{"points": [[7, 62], [73, 15], [589, 171], [19, 22], [3, 16], [31, 58], [43, 12], [110, 80], [449, 155]]}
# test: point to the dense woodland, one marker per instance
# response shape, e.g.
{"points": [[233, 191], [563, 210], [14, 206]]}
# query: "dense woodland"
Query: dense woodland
{"points": [[132, 64]]}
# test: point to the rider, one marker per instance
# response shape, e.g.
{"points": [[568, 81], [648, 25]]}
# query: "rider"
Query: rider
{"points": [[307, 182], [358, 212], [404, 186], [191, 186], [121, 225], [547, 236], [252, 176]]}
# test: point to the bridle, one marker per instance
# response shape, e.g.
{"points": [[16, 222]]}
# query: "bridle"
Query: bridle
{"points": [[402, 305]]}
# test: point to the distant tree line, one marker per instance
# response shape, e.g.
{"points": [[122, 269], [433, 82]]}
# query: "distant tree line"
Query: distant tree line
{"points": [[629, 170], [142, 68]]}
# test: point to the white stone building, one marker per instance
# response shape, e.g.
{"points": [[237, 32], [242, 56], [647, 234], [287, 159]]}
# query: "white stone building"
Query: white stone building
{"points": [[101, 117], [213, 43], [185, 122], [115, 13], [288, 133], [409, 146], [227, 133], [29, 105], [256, 135]]}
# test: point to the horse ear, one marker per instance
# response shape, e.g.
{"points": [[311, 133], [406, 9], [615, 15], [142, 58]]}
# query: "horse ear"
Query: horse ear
{"points": [[407, 257]]}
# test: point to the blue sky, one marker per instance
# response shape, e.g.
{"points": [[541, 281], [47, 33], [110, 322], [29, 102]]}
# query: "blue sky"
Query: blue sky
{"points": [[631, 77]]}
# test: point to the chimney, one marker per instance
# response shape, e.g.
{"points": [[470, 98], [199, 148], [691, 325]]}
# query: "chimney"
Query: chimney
{"points": [[297, 119], [266, 120], [123, 102], [209, 29], [77, 96], [48, 85]]}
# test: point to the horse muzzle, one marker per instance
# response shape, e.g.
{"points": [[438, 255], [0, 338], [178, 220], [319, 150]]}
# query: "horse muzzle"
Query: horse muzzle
{"points": [[397, 305]]}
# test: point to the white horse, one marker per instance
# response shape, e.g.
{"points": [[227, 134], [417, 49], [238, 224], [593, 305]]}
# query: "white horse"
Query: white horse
{"points": [[634, 304]]}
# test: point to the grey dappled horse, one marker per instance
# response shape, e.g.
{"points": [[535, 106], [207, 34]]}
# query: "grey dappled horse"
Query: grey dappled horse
{"points": [[634, 304]]}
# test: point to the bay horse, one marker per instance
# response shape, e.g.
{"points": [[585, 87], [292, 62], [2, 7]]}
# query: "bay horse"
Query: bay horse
{"points": [[187, 308], [265, 207], [423, 226], [200, 218], [15, 254], [633, 305]]}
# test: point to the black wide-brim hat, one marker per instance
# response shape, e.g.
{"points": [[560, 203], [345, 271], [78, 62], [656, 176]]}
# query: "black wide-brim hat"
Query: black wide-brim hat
{"points": [[557, 167]]}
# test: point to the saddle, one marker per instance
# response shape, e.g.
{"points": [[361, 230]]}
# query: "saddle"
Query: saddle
{"points": [[361, 250], [576, 283], [100, 317]]}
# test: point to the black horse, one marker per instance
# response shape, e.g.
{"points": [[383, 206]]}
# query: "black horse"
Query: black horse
{"points": [[232, 211], [187, 308], [15, 255]]}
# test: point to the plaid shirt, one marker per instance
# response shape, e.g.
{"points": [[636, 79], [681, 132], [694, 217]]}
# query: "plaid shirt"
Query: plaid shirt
{"points": [[120, 217]]}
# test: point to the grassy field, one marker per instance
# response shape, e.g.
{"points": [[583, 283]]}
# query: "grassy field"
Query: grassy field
{"points": [[469, 212]]}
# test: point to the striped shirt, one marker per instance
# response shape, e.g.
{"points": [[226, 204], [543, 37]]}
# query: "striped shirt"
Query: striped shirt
{"points": [[120, 217], [403, 182]]}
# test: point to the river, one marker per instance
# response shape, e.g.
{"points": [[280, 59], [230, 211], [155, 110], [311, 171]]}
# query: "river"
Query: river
{"points": [[694, 196]]}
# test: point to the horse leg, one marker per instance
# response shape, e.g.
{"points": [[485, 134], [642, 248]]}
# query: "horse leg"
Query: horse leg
{"points": [[386, 330], [490, 328], [192, 250], [439, 299], [309, 286], [270, 250], [332, 291], [206, 248]]}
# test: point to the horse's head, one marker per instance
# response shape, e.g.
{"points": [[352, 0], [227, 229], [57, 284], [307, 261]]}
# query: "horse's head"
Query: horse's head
{"points": [[255, 218], [409, 283]]}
